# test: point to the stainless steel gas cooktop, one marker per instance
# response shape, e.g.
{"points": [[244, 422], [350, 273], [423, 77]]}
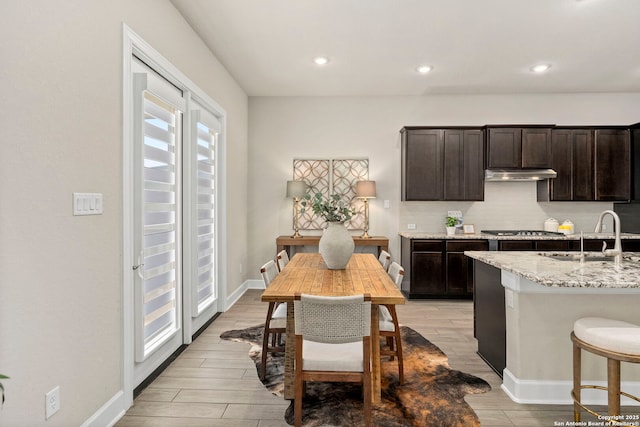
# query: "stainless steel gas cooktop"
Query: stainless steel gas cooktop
{"points": [[521, 233]]}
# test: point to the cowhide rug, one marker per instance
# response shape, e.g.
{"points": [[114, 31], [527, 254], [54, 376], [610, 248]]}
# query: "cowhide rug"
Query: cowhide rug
{"points": [[432, 393]]}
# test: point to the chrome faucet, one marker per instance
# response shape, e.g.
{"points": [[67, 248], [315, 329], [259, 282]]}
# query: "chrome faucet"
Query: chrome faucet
{"points": [[617, 247]]}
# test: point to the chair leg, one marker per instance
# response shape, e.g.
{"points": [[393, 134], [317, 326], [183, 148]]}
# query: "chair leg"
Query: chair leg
{"points": [[400, 358], [613, 386], [265, 342], [577, 380], [298, 385], [398, 339], [297, 406], [367, 402], [366, 380]]}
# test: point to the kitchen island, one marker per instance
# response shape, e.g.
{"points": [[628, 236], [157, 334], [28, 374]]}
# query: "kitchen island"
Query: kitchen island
{"points": [[525, 304]]}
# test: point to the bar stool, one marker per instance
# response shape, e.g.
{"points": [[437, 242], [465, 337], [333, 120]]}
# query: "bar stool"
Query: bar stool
{"points": [[616, 340]]}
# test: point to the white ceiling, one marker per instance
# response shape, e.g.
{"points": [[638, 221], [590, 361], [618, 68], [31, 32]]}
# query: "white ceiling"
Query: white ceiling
{"points": [[374, 46]]}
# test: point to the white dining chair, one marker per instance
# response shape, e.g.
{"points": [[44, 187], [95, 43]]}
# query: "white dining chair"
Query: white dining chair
{"points": [[332, 344], [385, 259], [282, 259], [276, 321], [389, 326]]}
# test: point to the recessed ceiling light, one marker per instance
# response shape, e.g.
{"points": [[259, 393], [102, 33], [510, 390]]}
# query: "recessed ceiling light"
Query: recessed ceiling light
{"points": [[424, 69], [540, 68], [320, 60]]}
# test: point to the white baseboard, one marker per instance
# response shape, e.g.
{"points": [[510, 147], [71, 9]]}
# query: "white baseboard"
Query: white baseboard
{"points": [[557, 392], [109, 414], [237, 294], [255, 284]]}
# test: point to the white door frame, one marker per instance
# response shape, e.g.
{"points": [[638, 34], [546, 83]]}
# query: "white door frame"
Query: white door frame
{"points": [[132, 43]]}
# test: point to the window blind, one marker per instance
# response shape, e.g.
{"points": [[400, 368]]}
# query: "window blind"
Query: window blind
{"points": [[205, 131], [157, 194]]}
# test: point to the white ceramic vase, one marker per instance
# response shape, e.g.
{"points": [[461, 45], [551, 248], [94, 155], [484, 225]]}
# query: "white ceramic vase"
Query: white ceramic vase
{"points": [[451, 231], [336, 246]]}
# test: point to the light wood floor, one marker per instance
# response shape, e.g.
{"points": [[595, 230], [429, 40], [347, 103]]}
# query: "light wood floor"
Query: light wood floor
{"points": [[214, 383]]}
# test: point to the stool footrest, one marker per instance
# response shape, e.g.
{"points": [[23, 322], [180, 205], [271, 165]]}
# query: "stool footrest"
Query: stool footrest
{"points": [[595, 414]]}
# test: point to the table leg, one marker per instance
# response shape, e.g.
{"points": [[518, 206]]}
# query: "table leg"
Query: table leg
{"points": [[289, 355], [376, 392]]}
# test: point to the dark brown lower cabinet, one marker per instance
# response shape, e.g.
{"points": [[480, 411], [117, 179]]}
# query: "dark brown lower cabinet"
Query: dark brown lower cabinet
{"points": [[459, 268], [438, 268], [553, 245], [516, 245], [595, 245], [534, 245], [424, 267]]}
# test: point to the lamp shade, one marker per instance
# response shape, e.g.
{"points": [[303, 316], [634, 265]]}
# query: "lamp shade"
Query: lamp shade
{"points": [[296, 189], [366, 189]]}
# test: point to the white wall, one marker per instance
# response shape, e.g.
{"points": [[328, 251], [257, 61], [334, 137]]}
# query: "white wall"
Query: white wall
{"points": [[284, 128], [61, 121]]}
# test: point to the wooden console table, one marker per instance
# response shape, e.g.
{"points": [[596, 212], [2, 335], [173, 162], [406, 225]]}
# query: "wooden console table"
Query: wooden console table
{"points": [[285, 242]]}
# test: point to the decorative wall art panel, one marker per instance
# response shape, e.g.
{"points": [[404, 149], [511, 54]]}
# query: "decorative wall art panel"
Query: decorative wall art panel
{"points": [[316, 174], [332, 176]]}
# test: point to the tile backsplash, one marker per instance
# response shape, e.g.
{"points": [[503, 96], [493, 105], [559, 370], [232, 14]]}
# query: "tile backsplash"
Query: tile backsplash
{"points": [[506, 205]]}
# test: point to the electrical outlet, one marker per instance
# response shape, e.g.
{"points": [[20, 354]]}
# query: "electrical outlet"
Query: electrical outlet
{"points": [[604, 227], [411, 226], [387, 204], [52, 402]]}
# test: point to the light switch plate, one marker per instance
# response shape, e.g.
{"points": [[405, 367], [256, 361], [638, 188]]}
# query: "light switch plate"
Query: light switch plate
{"points": [[87, 204]]}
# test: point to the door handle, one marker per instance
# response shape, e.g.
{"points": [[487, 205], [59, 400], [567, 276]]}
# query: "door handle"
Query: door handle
{"points": [[139, 267]]}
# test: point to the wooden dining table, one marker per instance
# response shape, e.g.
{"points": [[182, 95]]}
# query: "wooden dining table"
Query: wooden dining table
{"points": [[307, 273]]}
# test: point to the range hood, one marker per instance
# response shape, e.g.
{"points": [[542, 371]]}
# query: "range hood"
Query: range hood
{"points": [[519, 174]]}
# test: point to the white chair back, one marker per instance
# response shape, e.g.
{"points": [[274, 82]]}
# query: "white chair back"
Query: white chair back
{"points": [[332, 320], [385, 259], [396, 272], [282, 259], [269, 272]]}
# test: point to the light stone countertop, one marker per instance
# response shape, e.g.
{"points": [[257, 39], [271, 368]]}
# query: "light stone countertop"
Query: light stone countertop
{"points": [[482, 236], [551, 272]]}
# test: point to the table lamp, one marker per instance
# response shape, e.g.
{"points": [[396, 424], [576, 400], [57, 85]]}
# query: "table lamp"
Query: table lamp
{"points": [[296, 190], [366, 190]]}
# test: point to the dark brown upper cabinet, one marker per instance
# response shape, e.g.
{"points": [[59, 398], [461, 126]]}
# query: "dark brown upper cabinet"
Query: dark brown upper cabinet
{"points": [[612, 159], [463, 164], [442, 164], [593, 164], [572, 159], [422, 164], [518, 147]]}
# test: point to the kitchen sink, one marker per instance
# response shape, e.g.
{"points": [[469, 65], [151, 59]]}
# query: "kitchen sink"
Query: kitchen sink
{"points": [[575, 256], [633, 257]]}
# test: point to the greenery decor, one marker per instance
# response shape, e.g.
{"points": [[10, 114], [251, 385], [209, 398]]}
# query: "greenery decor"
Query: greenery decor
{"points": [[2, 377], [452, 221], [331, 209]]}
